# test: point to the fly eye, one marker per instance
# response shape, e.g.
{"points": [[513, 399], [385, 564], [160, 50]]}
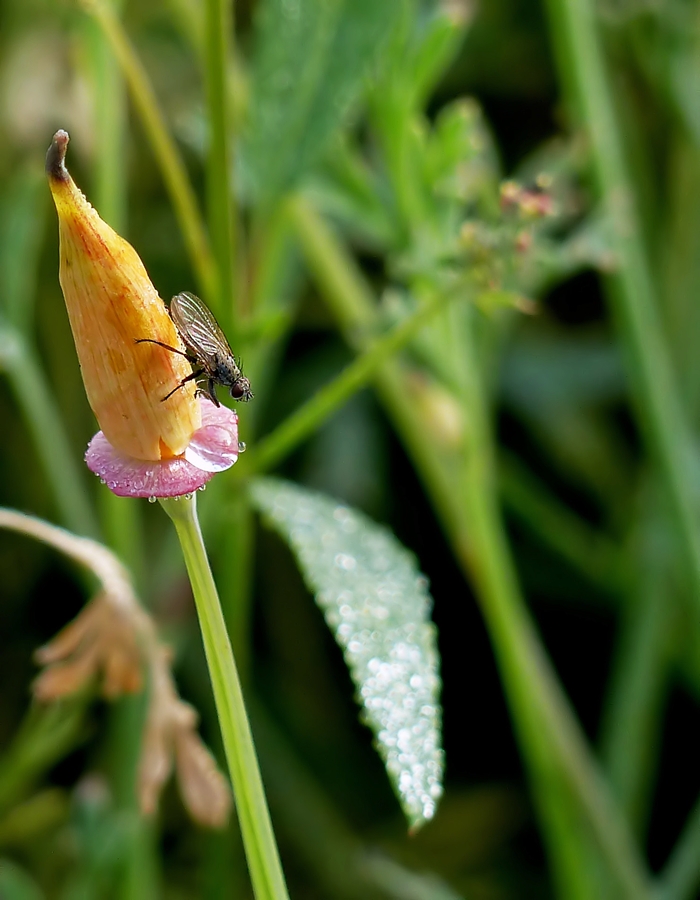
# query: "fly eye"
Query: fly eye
{"points": [[237, 391]]}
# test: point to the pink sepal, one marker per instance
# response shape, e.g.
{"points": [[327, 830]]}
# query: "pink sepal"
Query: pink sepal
{"points": [[213, 448]]}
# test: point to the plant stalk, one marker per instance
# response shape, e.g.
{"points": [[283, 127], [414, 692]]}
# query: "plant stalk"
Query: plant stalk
{"points": [[305, 420], [633, 292], [218, 26], [256, 827]]}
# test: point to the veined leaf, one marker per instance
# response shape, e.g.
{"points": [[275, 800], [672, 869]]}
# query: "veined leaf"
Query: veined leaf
{"points": [[377, 604], [310, 61]]}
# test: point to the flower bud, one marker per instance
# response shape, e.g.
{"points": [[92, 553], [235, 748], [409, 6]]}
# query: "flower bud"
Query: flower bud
{"points": [[111, 305]]}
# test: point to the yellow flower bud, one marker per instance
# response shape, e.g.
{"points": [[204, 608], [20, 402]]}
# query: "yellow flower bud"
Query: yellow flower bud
{"points": [[111, 305]]}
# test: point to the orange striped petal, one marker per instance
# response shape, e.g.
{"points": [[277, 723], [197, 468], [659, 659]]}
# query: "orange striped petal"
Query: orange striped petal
{"points": [[111, 305]]}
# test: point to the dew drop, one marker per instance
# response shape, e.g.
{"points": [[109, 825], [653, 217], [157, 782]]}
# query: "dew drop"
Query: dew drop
{"points": [[242, 446], [202, 487], [103, 481], [152, 499]]}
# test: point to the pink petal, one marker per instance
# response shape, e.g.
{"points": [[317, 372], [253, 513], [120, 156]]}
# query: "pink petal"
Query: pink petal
{"points": [[213, 448]]}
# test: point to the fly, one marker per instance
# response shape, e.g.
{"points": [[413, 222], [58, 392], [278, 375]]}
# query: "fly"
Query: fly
{"points": [[207, 350]]}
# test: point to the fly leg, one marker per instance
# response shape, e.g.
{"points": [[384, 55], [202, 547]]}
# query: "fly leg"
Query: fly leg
{"points": [[164, 346], [209, 391], [195, 374]]}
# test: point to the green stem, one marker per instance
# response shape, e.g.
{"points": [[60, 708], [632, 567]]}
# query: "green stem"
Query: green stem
{"points": [[350, 299], [309, 417], [550, 735], [632, 718], [256, 828], [471, 520], [218, 26], [109, 102], [164, 148], [592, 554], [633, 292]]}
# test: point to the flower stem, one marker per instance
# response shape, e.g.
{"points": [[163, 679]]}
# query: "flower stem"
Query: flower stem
{"points": [[256, 828]]}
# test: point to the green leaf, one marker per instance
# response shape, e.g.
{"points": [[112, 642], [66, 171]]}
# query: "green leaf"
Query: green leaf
{"points": [[308, 70], [441, 35], [377, 604]]}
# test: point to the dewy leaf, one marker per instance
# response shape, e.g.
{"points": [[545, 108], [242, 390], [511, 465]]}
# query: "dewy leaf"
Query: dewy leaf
{"points": [[377, 604], [310, 60]]}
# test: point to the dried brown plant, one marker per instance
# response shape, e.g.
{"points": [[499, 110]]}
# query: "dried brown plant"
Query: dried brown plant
{"points": [[114, 642]]}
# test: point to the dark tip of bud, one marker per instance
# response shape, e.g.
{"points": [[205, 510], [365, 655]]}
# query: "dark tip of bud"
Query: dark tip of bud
{"points": [[56, 156]]}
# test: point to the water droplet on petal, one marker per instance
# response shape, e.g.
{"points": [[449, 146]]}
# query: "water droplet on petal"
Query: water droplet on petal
{"points": [[103, 481], [202, 487], [241, 446], [152, 499]]}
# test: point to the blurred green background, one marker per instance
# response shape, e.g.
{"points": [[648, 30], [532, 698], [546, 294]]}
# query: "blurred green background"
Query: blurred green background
{"points": [[536, 164]]}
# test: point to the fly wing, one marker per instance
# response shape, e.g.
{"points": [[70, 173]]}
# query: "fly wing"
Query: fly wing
{"points": [[198, 328]]}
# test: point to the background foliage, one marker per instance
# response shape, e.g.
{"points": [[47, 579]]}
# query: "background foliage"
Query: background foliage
{"points": [[489, 212]]}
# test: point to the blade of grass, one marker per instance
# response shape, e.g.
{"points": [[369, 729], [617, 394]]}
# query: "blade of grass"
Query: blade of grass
{"points": [[45, 735], [680, 267], [594, 555], [164, 148], [632, 719], [572, 799], [464, 497], [632, 290], [110, 127], [218, 28], [23, 207], [39, 409]]}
